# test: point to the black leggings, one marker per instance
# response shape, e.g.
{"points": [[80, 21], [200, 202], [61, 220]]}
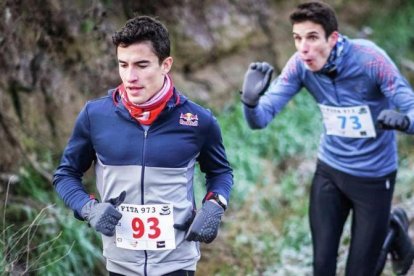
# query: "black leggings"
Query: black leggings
{"points": [[174, 273], [333, 195]]}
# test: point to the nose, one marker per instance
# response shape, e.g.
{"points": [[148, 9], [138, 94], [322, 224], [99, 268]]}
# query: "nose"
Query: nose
{"points": [[303, 47], [132, 75]]}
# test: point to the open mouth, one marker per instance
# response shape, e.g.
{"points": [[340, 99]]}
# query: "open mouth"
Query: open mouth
{"points": [[308, 61]]}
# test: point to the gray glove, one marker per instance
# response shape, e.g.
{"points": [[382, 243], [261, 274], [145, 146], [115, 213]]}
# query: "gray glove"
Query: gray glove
{"points": [[206, 223], [103, 217], [256, 81], [391, 119]]}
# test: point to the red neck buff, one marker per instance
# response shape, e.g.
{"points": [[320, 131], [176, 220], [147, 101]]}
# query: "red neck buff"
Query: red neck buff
{"points": [[147, 112]]}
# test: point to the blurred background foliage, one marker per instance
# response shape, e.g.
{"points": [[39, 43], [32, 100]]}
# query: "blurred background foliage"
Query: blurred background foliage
{"points": [[57, 54]]}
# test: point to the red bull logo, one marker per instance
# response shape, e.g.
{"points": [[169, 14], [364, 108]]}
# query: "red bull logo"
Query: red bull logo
{"points": [[188, 119]]}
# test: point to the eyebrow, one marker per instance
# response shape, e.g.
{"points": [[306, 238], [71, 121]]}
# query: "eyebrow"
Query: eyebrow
{"points": [[306, 34], [140, 62]]}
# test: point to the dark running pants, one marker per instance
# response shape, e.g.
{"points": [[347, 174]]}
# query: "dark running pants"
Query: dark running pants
{"points": [[333, 195], [174, 273]]}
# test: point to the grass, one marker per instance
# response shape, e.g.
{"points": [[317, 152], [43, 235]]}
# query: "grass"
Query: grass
{"points": [[39, 237], [265, 231]]}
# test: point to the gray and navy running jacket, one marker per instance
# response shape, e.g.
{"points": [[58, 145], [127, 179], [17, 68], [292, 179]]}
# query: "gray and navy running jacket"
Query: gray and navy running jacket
{"points": [[153, 166]]}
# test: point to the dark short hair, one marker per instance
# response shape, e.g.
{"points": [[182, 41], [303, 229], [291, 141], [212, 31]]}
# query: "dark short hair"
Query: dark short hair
{"points": [[142, 29], [316, 12]]}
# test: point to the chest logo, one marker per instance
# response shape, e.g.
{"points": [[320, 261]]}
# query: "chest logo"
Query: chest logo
{"points": [[188, 119]]}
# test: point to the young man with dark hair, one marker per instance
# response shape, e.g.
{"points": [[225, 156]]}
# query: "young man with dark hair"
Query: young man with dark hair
{"points": [[144, 139], [357, 88]]}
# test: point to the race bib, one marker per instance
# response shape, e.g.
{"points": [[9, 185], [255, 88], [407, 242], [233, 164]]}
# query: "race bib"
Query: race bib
{"points": [[352, 122], [146, 227]]}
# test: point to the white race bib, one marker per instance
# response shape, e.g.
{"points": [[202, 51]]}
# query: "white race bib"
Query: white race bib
{"points": [[352, 122], [146, 227]]}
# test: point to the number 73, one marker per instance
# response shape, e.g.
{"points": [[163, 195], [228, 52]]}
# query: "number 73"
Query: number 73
{"points": [[356, 124]]}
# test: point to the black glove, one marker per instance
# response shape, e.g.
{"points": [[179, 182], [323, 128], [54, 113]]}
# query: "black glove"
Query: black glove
{"points": [[205, 225], [390, 119], [255, 83], [103, 217]]}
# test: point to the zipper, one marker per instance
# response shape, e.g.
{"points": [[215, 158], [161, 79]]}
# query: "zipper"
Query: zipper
{"points": [[335, 91], [144, 144], [143, 165]]}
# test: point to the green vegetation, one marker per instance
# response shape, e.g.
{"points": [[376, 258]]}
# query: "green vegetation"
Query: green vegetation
{"points": [[266, 229], [397, 37], [39, 236], [256, 154]]}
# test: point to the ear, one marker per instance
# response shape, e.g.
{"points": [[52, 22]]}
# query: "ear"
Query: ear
{"points": [[166, 65], [333, 38]]}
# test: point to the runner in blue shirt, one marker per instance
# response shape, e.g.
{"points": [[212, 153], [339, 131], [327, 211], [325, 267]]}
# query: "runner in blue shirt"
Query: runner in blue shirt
{"points": [[358, 90]]}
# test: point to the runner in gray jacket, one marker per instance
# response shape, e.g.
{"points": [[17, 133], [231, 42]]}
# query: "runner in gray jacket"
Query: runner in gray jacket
{"points": [[144, 139]]}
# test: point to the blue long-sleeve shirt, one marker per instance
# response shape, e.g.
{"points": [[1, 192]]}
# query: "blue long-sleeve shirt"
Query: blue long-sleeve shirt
{"points": [[365, 76]]}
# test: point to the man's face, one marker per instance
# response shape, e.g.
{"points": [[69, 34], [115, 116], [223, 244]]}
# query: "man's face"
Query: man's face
{"points": [[140, 71], [312, 45]]}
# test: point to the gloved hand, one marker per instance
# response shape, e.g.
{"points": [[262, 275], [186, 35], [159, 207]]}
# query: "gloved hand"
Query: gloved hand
{"points": [[205, 225], [390, 119], [103, 217], [256, 81]]}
